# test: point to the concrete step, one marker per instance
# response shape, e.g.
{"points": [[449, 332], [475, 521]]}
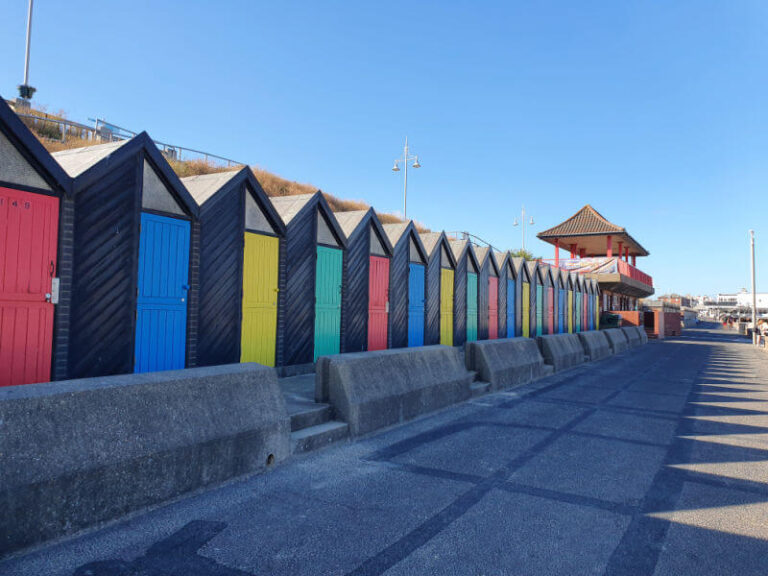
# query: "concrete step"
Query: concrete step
{"points": [[320, 436], [479, 388], [308, 415]]}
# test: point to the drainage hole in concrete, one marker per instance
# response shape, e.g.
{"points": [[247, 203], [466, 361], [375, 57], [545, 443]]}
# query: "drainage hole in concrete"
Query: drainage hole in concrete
{"points": [[270, 459]]}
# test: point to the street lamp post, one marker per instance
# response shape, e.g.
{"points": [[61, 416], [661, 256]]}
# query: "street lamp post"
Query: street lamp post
{"points": [[404, 159], [522, 220], [754, 293], [25, 90]]}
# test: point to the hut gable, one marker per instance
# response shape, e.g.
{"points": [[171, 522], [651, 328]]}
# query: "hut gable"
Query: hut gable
{"points": [[156, 195], [25, 161], [328, 230], [405, 231], [15, 168]]}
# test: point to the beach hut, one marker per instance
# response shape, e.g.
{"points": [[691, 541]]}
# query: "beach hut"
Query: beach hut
{"points": [[314, 256], [465, 297], [488, 294], [408, 285], [240, 244], [577, 302], [522, 298], [35, 252], [365, 281], [549, 298], [134, 264], [440, 281], [562, 301], [506, 295], [536, 300]]}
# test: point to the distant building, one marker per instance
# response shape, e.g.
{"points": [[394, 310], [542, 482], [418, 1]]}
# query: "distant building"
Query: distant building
{"points": [[604, 251]]}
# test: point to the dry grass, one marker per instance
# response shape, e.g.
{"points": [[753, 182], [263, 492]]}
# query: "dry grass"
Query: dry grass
{"points": [[273, 184]]}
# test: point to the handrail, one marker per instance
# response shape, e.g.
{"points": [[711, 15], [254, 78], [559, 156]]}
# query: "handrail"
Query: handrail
{"points": [[602, 265]]}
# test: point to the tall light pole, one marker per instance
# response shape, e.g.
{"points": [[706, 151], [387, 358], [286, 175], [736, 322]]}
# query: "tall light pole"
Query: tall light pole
{"points": [[25, 90], [522, 220], [404, 159], [754, 293]]}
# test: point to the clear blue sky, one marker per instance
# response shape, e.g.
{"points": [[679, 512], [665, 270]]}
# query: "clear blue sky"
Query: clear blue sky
{"points": [[656, 113]]}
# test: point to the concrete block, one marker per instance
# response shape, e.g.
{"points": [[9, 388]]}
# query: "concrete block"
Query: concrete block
{"points": [[595, 344], [79, 452], [632, 336], [643, 334], [617, 339], [561, 350], [371, 390], [506, 362]]}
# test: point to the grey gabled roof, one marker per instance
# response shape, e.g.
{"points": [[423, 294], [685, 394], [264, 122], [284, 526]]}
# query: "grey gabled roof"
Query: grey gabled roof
{"points": [[204, 186], [349, 221], [289, 206], [430, 240], [395, 230], [77, 160]]}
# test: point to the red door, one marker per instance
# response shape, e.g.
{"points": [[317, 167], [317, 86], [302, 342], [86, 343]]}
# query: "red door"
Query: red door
{"points": [[493, 308], [29, 225], [378, 309]]}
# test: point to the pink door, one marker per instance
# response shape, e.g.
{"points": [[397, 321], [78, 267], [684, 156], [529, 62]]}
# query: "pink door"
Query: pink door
{"points": [[29, 225], [493, 308], [378, 310], [550, 310]]}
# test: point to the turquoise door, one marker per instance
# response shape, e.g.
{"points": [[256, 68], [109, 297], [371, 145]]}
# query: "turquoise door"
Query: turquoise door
{"points": [[510, 308], [328, 301], [161, 305], [471, 307]]}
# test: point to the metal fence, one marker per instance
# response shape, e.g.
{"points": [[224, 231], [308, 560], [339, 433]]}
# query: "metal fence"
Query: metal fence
{"points": [[61, 130]]}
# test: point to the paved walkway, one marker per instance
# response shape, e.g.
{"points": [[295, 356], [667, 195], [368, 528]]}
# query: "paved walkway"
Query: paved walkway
{"points": [[654, 462]]}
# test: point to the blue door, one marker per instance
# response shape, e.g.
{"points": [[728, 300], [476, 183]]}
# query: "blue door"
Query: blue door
{"points": [[561, 306], [510, 308], [416, 305], [161, 306]]}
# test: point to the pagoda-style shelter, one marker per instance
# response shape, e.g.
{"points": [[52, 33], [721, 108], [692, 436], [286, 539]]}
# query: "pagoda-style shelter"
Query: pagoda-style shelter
{"points": [[604, 251]]}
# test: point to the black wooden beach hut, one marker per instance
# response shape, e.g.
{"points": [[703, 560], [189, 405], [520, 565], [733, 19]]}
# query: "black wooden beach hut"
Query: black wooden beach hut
{"points": [[35, 252], [465, 288], [487, 294], [407, 293], [365, 297], [441, 267], [505, 287], [310, 317], [240, 245], [134, 264]]}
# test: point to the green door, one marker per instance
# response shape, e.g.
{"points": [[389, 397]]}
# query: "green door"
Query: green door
{"points": [[328, 301], [539, 309], [471, 307]]}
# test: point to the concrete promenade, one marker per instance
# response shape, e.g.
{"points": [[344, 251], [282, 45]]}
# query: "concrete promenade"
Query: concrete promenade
{"points": [[651, 462]]}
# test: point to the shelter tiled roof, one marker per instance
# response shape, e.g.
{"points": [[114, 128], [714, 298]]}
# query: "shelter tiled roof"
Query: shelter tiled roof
{"points": [[585, 221], [586, 230]]}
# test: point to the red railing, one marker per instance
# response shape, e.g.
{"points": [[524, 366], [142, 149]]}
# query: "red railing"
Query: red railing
{"points": [[601, 266]]}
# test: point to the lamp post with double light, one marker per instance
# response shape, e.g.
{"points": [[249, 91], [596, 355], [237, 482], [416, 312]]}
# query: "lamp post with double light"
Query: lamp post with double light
{"points": [[404, 160]]}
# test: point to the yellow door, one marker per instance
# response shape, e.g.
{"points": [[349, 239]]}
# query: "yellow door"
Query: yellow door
{"points": [[526, 310], [446, 307], [259, 330], [570, 312]]}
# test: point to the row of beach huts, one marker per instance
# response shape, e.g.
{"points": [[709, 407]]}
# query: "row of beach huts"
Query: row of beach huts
{"points": [[110, 264]]}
